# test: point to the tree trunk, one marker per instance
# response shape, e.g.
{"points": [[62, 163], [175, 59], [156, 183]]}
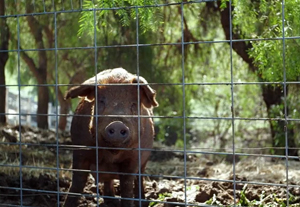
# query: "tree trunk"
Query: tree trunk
{"points": [[4, 38], [43, 100], [64, 109], [272, 95], [78, 78], [40, 70]]}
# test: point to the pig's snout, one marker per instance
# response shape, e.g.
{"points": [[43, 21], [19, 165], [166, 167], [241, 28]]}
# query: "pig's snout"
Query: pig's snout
{"points": [[116, 132]]}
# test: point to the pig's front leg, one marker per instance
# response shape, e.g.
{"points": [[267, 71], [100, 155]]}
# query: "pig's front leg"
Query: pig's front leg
{"points": [[126, 185], [110, 191], [137, 192], [78, 178]]}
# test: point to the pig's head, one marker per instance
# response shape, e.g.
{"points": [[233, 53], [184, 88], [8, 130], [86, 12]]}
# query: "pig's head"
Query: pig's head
{"points": [[116, 105]]}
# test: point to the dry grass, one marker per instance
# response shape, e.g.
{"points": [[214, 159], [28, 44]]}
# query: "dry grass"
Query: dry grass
{"points": [[35, 160], [254, 169]]}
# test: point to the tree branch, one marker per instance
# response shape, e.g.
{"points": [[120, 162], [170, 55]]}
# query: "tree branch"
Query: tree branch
{"points": [[36, 31], [30, 63], [50, 37], [188, 35], [240, 47]]}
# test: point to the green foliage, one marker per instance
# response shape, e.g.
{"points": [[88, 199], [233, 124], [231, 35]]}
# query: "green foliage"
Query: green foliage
{"points": [[67, 61], [277, 111], [214, 201], [262, 202], [86, 20], [275, 54], [224, 4], [149, 17], [243, 201], [263, 19], [161, 197]]}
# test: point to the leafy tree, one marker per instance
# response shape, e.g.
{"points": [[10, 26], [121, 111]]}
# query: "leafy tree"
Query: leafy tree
{"points": [[39, 32], [273, 57], [263, 19], [39, 67]]}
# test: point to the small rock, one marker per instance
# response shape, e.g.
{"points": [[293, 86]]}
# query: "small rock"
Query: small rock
{"points": [[178, 188], [10, 135], [93, 188], [252, 195], [154, 184], [203, 172], [295, 191], [179, 196], [163, 187], [151, 194], [209, 163], [20, 128], [203, 196], [100, 200]]}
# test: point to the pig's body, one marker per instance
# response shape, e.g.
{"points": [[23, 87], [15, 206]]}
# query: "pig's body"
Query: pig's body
{"points": [[118, 130]]}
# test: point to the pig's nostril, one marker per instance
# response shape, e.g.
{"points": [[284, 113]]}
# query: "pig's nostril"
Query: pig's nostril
{"points": [[123, 132], [111, 131]]}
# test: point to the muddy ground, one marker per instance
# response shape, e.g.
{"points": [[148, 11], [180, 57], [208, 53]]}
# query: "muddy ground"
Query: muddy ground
{"points": [[209, 180]]}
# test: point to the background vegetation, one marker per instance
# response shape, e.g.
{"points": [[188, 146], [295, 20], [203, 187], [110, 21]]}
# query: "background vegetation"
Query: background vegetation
{"points": [[58, 48]]}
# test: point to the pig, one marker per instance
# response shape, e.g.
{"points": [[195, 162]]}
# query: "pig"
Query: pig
{"points": [[118, 130]]}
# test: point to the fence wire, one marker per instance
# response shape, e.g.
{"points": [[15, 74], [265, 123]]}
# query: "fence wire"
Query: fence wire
{"points": [[66, 7]]}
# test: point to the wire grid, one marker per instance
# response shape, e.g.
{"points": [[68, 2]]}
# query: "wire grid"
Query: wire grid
{"points": [[185, 151]]}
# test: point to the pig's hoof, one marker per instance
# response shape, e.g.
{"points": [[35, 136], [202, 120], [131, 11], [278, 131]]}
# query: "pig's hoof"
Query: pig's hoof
{"points": [[144, 204], [112, 203]]}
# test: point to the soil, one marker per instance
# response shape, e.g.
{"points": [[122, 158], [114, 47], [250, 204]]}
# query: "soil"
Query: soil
{"points": [[259, 181]]}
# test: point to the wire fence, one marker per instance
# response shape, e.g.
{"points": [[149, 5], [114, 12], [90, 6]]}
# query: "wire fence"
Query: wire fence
{"points": [[51, 176]]}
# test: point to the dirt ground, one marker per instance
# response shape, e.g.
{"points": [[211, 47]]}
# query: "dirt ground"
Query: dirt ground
{"points": [[259, 181]]}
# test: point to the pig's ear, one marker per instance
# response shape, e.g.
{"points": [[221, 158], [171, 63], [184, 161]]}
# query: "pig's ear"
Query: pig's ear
{"points": [[86, 89], [81, 91], [147, 93]]}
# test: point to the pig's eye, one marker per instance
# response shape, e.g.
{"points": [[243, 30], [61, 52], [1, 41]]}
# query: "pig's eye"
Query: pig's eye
{"points": [[101, 105], [134, 108]]}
